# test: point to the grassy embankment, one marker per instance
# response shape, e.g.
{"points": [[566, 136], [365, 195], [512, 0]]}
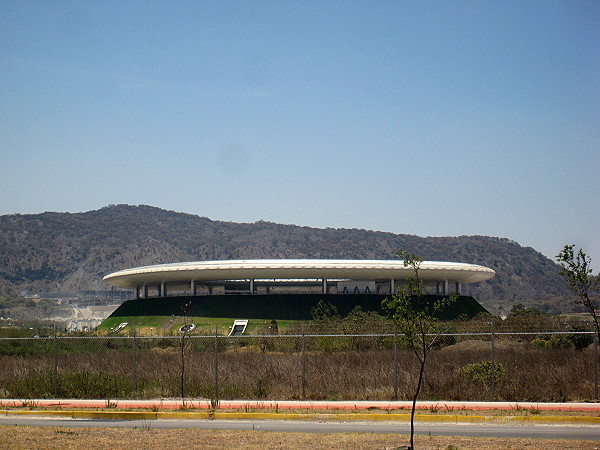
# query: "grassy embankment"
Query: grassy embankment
{"points": [[161, 325], [165, 315]]}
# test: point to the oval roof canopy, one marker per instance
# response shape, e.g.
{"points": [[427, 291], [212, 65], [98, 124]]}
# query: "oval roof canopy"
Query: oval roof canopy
{"points": [[291, 269]]}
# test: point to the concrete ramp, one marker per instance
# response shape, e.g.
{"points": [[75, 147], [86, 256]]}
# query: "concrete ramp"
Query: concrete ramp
{"points": [[238, 328]]}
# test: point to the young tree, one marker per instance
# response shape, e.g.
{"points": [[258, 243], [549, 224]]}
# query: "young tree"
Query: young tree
{"points": [[324, 311], [183, 345], [577, 270], [414, 316]]}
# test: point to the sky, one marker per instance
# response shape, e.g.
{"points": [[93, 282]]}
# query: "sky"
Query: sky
{"points": [[437, 118]]}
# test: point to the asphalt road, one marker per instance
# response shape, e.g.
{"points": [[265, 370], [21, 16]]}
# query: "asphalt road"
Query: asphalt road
{"points": [[587, 432]]}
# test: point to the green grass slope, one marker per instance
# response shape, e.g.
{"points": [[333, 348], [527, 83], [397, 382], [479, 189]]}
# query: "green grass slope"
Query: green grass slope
{"points": [[154, 312]]}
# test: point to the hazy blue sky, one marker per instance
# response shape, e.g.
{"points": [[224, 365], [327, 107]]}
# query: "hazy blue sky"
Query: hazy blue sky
{"points": [[429, 118]]}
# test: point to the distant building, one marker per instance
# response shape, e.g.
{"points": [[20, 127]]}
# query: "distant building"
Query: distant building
{"points": [[83, 299], [270, 286], [102, 298], [83, 325]]}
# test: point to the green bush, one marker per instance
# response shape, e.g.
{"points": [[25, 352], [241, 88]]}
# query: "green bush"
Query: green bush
{"points": [[483, 372], [259, 391], [580, 341], [540, 343], [559, 341], [566, 341]]}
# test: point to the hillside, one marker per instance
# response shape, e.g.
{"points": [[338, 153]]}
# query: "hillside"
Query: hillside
{"points": [[53, 252]]}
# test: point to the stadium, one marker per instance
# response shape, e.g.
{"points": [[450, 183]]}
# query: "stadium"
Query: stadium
{"points": [[288, 288]]}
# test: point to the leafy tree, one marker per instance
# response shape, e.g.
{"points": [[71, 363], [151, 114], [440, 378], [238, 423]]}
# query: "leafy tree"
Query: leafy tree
{"points": [[414, 317], [183, 345], [324, 311], [521, 310], [577, 270]]}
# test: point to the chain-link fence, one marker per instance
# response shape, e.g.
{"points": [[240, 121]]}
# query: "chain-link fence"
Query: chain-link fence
{"points": [[477, 364]]}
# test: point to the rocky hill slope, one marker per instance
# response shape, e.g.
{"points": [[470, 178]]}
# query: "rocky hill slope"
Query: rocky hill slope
{"points": [[53, 252]]}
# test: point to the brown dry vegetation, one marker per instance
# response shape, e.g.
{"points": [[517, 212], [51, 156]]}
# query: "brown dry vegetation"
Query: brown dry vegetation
{"points": [[257, 371], [107, 438]]}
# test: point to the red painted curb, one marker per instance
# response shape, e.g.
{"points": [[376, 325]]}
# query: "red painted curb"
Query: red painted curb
{"points": [[162, 404]]}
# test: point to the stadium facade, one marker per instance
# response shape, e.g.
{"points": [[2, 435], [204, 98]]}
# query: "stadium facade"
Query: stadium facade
{"points": [[289, 288]]}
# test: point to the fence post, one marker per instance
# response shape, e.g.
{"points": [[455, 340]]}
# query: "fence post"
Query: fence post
{"points": [[134, 368], [303, 360], [395, 366], [55, 364], [216, 363], [493, 362]]}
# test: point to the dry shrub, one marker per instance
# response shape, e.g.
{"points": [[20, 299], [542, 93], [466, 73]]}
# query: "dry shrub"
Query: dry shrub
{"points": [[251, 371]]}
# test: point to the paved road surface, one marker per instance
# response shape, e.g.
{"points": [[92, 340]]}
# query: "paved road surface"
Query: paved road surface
{"points": [[587, 432]]}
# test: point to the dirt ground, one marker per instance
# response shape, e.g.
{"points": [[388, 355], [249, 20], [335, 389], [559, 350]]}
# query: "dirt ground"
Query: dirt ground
{"points": [[16, 437]]}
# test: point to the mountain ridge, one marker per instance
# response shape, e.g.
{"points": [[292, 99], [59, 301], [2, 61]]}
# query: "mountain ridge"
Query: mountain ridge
{"points": [[60, 252]]}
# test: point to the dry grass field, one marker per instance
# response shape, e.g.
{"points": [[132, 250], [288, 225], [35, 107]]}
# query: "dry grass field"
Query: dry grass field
{"points": [[16, 438], [254, 372]]}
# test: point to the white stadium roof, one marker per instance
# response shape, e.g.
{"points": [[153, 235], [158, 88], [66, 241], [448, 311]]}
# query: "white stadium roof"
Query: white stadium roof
{"points": [[295, 269]]}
